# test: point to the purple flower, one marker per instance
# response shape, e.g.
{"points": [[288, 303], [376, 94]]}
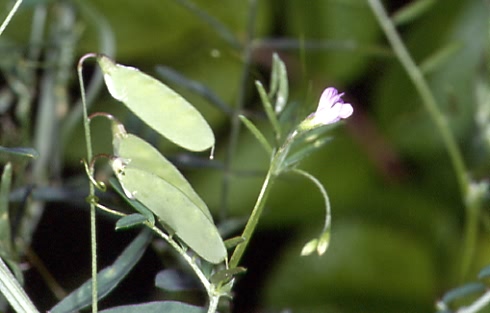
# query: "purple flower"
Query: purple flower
{"points": [[331, 108]]}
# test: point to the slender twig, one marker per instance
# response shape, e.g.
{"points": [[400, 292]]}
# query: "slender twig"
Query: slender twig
{"points": [[235, 120], [10, 16], [442, 125], [254, 218], [88, 141]]}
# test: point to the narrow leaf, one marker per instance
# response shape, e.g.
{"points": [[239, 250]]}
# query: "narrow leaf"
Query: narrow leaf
{"points": [[13, 292], [157, 105], [5, 236], [130, 221], [233, 242], [108, 278], [305, 151], [21, 151], [440, 57], [412, 11], [174, 280], [269, 111], [225, 275], [133, 203], [142, 155], [283, 85], [156, 307], [174, 209], [256, 132]]}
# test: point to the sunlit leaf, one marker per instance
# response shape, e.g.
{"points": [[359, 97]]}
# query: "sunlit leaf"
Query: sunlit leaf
{"points": [[140, 154], [282, 94], [157, 105], [194, 86], [108, 278], [174, 209]]}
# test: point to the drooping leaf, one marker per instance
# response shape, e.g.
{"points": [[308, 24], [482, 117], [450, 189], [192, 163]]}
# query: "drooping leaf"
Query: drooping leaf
{"points": [[108, 278], [156, 307], [140, 154], [174, 208], [157, 105]]}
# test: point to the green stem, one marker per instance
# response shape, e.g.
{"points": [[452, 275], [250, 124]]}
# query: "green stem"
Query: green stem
{"points": [[9, 16], [254, 218], [442, 125], [88, 141]]}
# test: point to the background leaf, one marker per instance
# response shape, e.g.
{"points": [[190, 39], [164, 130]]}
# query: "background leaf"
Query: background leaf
{"points": [[157, 307], [108, 278]]}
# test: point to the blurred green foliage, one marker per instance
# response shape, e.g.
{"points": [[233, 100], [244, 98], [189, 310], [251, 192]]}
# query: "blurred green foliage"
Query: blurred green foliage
{"points": [[397, 216]]}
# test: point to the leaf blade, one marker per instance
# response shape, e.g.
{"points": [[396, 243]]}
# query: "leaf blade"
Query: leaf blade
{"points": [[157, 105]]}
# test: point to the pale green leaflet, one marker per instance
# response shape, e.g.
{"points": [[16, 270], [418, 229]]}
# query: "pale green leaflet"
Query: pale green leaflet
{"points": [[151, 179], [157, 105]]}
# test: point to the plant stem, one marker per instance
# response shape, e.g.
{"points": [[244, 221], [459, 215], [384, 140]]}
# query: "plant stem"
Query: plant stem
{"points": [[88, 141], [9, 16], [476, 306], [430, 103], [254, 218]]}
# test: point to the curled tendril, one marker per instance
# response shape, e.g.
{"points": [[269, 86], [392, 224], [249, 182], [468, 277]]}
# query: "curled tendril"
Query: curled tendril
{"points": [[92, 200], [98, 184], [104, 114]]}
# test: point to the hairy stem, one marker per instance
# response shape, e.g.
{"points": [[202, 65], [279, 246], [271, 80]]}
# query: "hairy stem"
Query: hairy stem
{"points": [[88, 141]]}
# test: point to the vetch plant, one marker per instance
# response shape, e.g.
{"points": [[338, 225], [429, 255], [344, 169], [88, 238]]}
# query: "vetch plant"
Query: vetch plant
{"points": [[155, 187]]}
